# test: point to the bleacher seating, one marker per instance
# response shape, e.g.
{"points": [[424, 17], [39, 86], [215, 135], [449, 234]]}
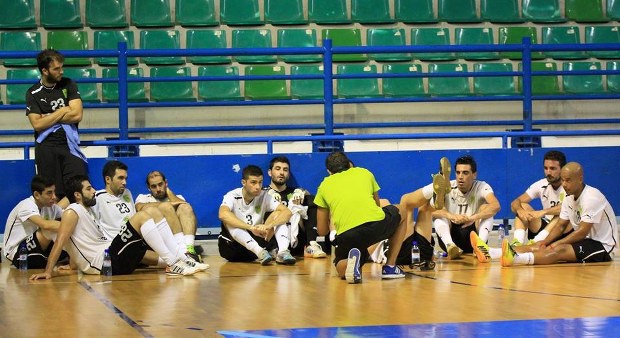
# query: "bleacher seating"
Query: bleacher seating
{"points": [[387, 37], [448, 86], [542, 84], [562, 35], [240, 12], [265, 89], [603, 34], [106, 14], [297, 37], [361, 87], [475, 36], [402, 87], [328, 11], [284, 12], [500, 11], [195, 13], [585, 10], [371, 11], [171, 90], [161, 39], [60, 14], [307, 88], [69, 40], [252, 38], [17, 14], [20, 41], [414, 11], [229, 90], [515, 35], [542, 11], [151, 13], [454, 11], [431, 37], [613, 9], [494, 85], [88, 91], [16, 93], [345, 37], [207, 39], [109, 39], [136, 91], [582, 84], [613, 80]]}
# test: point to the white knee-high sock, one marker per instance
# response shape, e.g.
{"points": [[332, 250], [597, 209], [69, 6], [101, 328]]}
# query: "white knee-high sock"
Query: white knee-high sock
{"points": [[282, 233], [495, 253], [486, 225], [156, 242], [243, 237], [442, 228], [520, 235], [189, 239], [166, 234], [178, 237]]}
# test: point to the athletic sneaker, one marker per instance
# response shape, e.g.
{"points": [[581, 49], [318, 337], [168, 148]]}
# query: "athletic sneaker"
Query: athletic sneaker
{"points": [[179, 268], [264, 257], [199, 266], [193, 256], [439, 191], [454, 251], [508, 253], [314, 250], [515, 242], [392, 272], [445, 169], [285, 258], [481, 249], [353, 275]]}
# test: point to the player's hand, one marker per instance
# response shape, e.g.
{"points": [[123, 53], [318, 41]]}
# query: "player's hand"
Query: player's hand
{"points": [[65, 267], [43, 275]]}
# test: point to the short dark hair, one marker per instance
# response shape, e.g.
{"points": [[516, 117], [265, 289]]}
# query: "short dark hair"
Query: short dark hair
{"points": [[467, 159], [251, 170], [154, 173], [46, 56], [337, 162], [109, 169], [281, 159], [555, 155], [75, 185], [40, 183]]}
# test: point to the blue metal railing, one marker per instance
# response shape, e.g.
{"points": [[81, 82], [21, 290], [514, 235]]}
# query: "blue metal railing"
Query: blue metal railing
{"points": [[328, 101]]}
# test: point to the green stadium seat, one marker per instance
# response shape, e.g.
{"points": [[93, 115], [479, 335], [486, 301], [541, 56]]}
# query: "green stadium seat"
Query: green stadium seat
{"points": [[265, 89], [371, 11], [345, 37], [613, 10], [151, 13], [219, 90], [585, 11], [500, 11], [414, 11], [542, 11], [17, 14], [457, 11], [328, 11], [613, 81], [349, 88], [284, 12], [69, 40], [109, 39], [562, 35], [135, 90], [298, 38], [60, 14], [307, 89], [402, 86], [431, 37], [20, 41], [240, 12], [16, 93], [88, 91], [448, 86], [603, 34], [542, 84], [161, 39], [494, 85], [195, 13], [475, 36], [515, 35], [106, 14], [387, 37], [582, 84], [252, 38], [171, 90], [207, 39]]}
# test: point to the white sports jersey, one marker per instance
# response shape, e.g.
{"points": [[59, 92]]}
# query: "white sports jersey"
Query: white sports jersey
{"points": [[113, 211], [467, 204], [592, 207], [548, 196], [148, 198], [253, 212], [18, 225], [88, 242]]}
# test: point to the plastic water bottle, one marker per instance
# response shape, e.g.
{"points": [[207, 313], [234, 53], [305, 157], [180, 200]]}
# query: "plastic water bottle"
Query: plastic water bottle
{"points": [[501, 233], [22, 257], [415, 253], [106, 269]]}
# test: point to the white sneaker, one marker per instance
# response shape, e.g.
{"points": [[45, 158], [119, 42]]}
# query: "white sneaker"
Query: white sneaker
{"points": [[454, 251], [199, 266], [179, 268], [314, 250]]}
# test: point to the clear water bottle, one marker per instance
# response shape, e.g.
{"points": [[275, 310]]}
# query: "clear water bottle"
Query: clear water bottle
{"points": [[22, 257], [106, 269], [415, 253], [501, 234]]}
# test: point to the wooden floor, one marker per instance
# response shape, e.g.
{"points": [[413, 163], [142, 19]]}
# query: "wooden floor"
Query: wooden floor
{"points": [[239, 296]]}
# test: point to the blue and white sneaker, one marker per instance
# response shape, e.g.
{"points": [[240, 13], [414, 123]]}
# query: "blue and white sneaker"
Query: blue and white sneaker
{"points": [[264, 257], [353, 274], [392, 272]]}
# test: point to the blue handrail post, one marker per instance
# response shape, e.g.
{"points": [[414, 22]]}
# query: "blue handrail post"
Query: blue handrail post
{"points": [[123, 110], [328, 90], [527, 84]]}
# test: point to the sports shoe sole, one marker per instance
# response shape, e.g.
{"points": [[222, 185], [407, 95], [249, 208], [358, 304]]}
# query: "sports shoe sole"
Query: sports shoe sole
{"points": [[454, 252], [445, 169], [352, 273], [505, 248], [286, 261], [473, 239], [266, 261], [315, 255], [439, 191]]}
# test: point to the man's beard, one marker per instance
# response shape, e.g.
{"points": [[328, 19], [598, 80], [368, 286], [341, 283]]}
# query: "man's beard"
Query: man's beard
{"points": [[89, 202]]}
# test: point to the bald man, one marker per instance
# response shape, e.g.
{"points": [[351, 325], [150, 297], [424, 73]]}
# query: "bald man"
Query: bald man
{"points": [[587, 211]]}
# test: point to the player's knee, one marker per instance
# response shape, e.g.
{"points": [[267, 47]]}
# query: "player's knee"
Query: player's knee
{"points": [[166, 207], [185, 209]]}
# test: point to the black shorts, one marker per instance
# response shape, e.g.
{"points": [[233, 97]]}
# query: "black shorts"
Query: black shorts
{"points": [[37, 256], [543, 224], [460, 237], [233, 251], [367, 234], [57, 163], [426, 249], [590, 251], [127, 250]]}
